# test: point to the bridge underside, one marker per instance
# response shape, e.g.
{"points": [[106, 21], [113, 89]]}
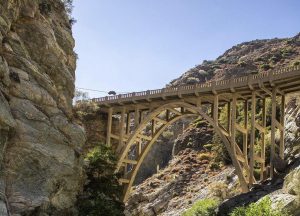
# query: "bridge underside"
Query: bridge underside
{"points": [[144, 117]]}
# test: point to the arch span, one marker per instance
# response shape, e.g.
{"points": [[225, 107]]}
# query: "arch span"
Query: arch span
{"points": [[248, 89], [187, 110]]}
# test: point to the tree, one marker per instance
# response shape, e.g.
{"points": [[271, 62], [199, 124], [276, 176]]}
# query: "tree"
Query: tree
{"points": [[80, 95], [102, 190], [68, 6]]}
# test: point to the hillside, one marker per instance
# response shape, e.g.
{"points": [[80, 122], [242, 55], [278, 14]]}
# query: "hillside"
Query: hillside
{"points": [[245, 58]]}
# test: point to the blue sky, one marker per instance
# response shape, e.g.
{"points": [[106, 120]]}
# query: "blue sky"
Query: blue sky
{"points": [[134, 45]]}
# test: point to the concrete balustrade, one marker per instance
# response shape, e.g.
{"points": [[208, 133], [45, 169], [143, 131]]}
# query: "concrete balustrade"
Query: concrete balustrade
{"points": [[197, 88]]}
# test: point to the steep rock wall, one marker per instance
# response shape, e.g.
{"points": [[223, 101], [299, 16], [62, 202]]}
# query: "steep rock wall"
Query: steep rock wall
{"points": [[41, 168]]}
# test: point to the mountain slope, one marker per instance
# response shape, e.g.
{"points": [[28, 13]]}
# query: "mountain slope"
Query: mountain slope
{"points": [[245, 58]]}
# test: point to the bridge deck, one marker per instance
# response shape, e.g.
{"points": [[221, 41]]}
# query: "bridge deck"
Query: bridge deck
{"points": [[287, 80], [136, 133]]}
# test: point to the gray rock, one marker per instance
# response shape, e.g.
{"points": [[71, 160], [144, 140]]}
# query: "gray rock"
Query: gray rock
{"points": [[292, 182], [285, 202], [3, 210], [6, 118], [41, 173]]}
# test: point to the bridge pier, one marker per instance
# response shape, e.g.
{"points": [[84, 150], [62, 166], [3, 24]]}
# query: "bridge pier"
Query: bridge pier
{"points": [[263, 138], [282, 127], [109, 126]]}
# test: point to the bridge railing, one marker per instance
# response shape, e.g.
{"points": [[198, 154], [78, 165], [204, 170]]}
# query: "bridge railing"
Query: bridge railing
{"points": [[197, 87]]}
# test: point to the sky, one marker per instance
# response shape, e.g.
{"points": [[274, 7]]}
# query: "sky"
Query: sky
{"points": [[136, 45]]}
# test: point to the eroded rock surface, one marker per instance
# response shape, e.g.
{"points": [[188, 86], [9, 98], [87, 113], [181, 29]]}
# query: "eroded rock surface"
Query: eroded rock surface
{"points": [[41, 173], [173, 190]]}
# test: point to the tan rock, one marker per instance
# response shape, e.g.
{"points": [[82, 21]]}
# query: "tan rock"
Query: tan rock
{"points": [[42, 172]]}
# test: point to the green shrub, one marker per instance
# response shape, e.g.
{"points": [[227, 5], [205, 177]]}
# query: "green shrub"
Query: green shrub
{"points": [[259, 59], [203, 73], [290, 41], [296, 63], [256, 173], [45, 8], [262, 208], [68, 6], [199, 123], [274, 59], [192, 80], [219, 190], [223, 61], [286, 52], [204, 156], [102, 191], [242, 64], [265, 67], [214, 166], [208, 147], [219, 148], [168, 134], [205, 207], [207, 62]]}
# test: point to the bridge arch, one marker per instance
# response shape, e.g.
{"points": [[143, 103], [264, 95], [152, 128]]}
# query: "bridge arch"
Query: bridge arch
{"points": [[192, 98], [187, 111]]}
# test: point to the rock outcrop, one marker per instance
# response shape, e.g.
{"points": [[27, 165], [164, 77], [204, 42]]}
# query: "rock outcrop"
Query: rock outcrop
{"points": [[245, 58], [188, 177], [41, 170]]}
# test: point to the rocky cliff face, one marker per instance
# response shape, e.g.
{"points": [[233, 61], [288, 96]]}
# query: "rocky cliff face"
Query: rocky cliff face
{"points": [[245, 58], [41, 168]]}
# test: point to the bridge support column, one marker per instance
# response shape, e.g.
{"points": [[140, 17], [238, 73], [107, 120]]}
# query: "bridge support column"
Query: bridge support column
{"points": [[167, 115], [121, 127], [128, 123], [229, 117], [263, 141], [137, 121], [136, 117], [245, 135], [152, 128], [215, 112], [109, 124], [273, 131], [252, 140], [282, 122], [198, 102], [233, 122]]}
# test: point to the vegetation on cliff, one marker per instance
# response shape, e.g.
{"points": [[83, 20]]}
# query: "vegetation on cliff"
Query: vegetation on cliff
{"points": [[261, 208], [205, 207], [101, 193], [102, 190]]}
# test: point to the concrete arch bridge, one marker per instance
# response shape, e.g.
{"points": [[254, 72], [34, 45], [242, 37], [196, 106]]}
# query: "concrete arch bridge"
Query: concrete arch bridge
{"points": [[143, 116]]}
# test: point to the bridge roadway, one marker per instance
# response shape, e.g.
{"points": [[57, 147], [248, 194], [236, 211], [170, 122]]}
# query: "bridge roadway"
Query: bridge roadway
{"points": [[286, 78], [143, 116]]}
